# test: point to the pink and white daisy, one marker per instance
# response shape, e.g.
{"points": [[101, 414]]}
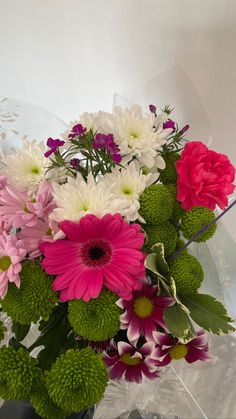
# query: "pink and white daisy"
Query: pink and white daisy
{"points": [[169, 348], [12, 252], [98, 252], [14, 207], [43, 230], [144, 312], [124, 360]]}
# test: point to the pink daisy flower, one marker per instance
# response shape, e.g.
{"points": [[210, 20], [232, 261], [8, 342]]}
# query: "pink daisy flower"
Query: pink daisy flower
{"points": [[12, 252], [130, 362], [14, 207], [43, 230], [144, 312], [98, 252], [169, 348]]}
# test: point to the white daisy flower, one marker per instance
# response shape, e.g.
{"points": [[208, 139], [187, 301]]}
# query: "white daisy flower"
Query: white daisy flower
{"points": [[77, 198], [27, 168], [134, 133], [127, 185]]}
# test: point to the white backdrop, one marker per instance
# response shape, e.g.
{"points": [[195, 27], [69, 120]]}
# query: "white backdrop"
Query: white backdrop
{"points": [[69, 56]]}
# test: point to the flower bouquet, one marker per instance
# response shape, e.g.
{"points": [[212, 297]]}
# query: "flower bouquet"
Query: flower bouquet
{"points": [[95, 249]]}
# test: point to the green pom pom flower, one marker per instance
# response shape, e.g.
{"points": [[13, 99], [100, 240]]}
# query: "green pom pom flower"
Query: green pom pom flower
{"points": [[34, 298], [187, 273], [178, 211], [156, 204], [97, 319], [3, 329], [44, 405], [77, 380], [17, 372], [163, 233], [169, 174], [194, 220]]}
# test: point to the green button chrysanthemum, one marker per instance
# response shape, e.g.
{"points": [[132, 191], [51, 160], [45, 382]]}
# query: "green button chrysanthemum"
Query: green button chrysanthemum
{"points": [[194, 220], [178, 211], [77, 380], [44, 405], [163, 233], [187, 273], [34, 298], [97, 319], [17, 373], [169, 174], [156, 204]]}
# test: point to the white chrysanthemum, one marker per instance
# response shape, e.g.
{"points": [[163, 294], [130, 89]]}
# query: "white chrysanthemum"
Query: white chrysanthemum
{"points": [[27, 168], [127, 185], [134, 133], [77, 198]]}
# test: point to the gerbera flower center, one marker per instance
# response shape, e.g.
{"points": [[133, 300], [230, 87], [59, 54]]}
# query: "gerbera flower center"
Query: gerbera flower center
{"points": [[178, 352], [129, 360], [143, 307], [5, 263], [96, 253]]}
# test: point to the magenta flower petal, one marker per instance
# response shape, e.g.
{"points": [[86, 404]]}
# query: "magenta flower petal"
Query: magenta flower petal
{"points": [[90, 249]]}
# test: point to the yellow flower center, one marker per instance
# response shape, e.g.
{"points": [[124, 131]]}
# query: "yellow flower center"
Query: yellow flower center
{"points": [[134, 135], [126, 190], [5, 263], [127, 359], [35, 170], [178, 351], [49, 232], [143, 307]]}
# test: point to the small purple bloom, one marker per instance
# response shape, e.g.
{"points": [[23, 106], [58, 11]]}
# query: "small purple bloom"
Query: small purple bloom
{"points": [[106, 142], [184, 129], [76, 131], [169, 348], [169, 124], [53, 146], [153, 109], [75, 163]]}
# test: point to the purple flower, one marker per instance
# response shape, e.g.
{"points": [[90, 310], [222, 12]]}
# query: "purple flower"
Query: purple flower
{"points": [[106, 142], [144, 312], [130, 362], [153, 109], [76, 131], [75, 163], [169, 124], [184, 129], [169, 348], [53, 146]]}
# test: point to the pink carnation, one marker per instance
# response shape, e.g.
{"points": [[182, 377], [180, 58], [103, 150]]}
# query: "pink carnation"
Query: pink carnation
{"points": [[205, 177], [97, 252], [12, 252]]}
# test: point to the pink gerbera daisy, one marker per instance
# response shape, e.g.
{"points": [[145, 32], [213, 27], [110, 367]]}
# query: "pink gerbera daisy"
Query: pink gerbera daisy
{"points": [[130, 362], [144, 312], [97, 252], [12, 252], [169, 348]]}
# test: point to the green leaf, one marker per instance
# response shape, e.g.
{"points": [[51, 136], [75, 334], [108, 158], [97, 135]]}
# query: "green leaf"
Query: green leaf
{"points": [[178, 322], [156, 263], [209, 313], [175, 296], [20, 330]]}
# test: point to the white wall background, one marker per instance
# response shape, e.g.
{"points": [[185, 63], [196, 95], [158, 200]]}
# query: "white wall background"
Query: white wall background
{"points": [[69, 56]]}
